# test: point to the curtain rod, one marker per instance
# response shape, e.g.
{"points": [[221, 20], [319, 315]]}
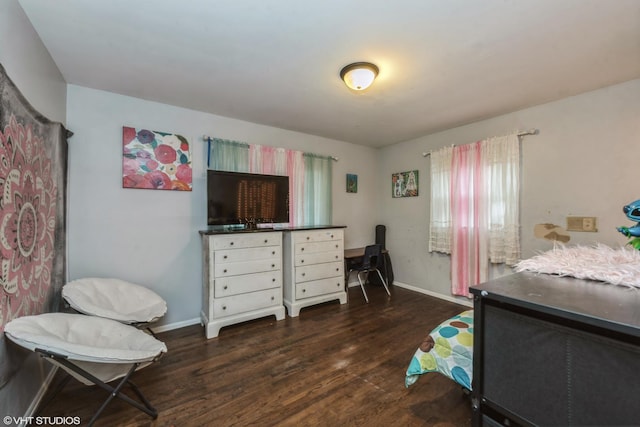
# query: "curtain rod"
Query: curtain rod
{"points": [[208, 139], [520, 133]]}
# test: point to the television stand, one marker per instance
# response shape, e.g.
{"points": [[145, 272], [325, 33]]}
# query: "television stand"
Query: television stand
{"points": [[313, 268], [242, 277], [243, 272]]}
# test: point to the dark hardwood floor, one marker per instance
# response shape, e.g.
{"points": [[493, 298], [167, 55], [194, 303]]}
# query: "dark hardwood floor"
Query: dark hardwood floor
{"points": [[334, 365]]}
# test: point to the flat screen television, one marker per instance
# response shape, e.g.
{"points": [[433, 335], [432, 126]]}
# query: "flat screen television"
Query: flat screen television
{"points": [[245, 198]]}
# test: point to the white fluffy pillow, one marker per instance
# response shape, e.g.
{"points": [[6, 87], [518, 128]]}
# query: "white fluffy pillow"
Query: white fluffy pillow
{"points": [[600, 262]]}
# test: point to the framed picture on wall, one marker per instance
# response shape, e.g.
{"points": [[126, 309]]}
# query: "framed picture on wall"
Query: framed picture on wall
{"points": [[155, 160], [404, 184], [352, 183]]}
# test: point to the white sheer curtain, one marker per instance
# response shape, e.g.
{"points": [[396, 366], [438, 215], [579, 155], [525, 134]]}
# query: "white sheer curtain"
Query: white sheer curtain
{"points": [[227, 155], [318, 206], [502, 156], [475, 200], [440, 206]]}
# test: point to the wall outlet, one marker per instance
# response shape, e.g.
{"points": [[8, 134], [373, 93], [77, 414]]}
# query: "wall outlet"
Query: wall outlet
{"points": [[589, 223], [582, 223]]}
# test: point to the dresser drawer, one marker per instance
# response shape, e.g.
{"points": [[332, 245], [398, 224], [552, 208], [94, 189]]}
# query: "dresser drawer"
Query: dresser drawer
{"points": [[249, 254], [234, 285], [314, 247], [319, 287], [247, 267], [318, 258], [317, 235], [237, 304], [319, 271], [248, 240]]}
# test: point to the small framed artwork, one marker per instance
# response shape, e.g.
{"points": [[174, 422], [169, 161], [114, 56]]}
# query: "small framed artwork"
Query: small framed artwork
{"points": [[352, 183], [155, 160], [404, 184]]}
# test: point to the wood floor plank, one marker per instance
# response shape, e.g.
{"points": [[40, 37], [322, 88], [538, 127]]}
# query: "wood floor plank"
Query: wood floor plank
{"points": [[333, 365]]}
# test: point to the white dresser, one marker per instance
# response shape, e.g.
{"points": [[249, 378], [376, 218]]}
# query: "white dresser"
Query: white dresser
{"points": [[242, 278], [313, 268]]}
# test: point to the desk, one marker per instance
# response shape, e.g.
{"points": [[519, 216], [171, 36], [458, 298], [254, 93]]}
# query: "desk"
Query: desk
{"points": [[351, 255], [354, 253]]}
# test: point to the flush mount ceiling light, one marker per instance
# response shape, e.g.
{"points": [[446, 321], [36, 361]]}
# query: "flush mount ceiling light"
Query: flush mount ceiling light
{"points": [[359, 75]]}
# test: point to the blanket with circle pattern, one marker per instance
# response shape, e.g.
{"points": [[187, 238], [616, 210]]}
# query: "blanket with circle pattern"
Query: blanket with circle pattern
{"points": [[448, 350]]}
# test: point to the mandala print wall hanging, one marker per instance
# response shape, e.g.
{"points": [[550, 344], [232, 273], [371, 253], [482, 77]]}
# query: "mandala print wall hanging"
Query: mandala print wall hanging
{"points": [[155, 160], [27, 221]]}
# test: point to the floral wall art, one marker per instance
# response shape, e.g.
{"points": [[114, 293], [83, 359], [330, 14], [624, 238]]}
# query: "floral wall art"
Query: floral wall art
{"points": [[155, 160]]}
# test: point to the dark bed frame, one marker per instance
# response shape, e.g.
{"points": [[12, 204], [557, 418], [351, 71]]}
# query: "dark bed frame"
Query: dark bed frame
{"points": [[554, 350]]}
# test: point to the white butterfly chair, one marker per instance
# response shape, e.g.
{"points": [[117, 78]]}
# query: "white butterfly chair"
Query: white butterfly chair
{"points": [[115, 299], [94, 350]]}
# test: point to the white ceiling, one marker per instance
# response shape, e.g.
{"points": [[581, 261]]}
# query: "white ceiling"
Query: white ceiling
{"points": [[443, 63]]}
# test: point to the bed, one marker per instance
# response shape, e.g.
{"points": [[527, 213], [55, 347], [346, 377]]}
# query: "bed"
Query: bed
{"points": [[448, 350]]}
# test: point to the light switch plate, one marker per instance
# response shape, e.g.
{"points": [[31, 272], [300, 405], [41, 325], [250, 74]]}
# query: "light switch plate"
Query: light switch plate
{"points": [[582, 223]]}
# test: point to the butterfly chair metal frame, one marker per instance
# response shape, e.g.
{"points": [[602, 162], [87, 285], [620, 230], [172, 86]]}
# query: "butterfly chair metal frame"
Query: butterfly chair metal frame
{"points": [[116, 391], [370, 259]]}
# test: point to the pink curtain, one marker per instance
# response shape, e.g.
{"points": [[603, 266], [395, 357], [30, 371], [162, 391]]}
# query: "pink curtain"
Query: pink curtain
{"points": [[262, 159], [295, 165], [469, 264], [279, 161]]}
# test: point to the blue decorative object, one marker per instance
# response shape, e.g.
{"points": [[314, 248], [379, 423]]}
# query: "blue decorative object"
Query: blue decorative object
{"points": [[632, 211]]}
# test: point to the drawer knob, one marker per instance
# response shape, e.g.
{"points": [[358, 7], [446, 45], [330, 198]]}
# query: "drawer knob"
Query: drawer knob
{"points": [[338, 284], [224, 307], [307, 237], [272, 298], [302, 249], [266, 240], [332, 236], [273, 252], [273, 280], [301, 261], [303, 274], [273, 265], [337, 269], [225, 257], [336, 246], [224, 287], [224, 271], [304, 290], [231, 244], [337, 257]]}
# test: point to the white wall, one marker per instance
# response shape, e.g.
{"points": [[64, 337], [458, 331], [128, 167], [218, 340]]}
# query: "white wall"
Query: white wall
{"points": [[584, 162], [28, 63], [151, 237], [31, 68]]}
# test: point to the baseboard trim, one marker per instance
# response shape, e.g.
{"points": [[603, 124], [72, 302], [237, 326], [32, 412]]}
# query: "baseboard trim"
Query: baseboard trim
{"points": [[177, 325], [196, 320], [433, 294]]}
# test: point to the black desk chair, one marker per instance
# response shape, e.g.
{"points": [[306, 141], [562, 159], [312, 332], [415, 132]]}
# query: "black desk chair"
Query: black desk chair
{"points": [[372, 256]]}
